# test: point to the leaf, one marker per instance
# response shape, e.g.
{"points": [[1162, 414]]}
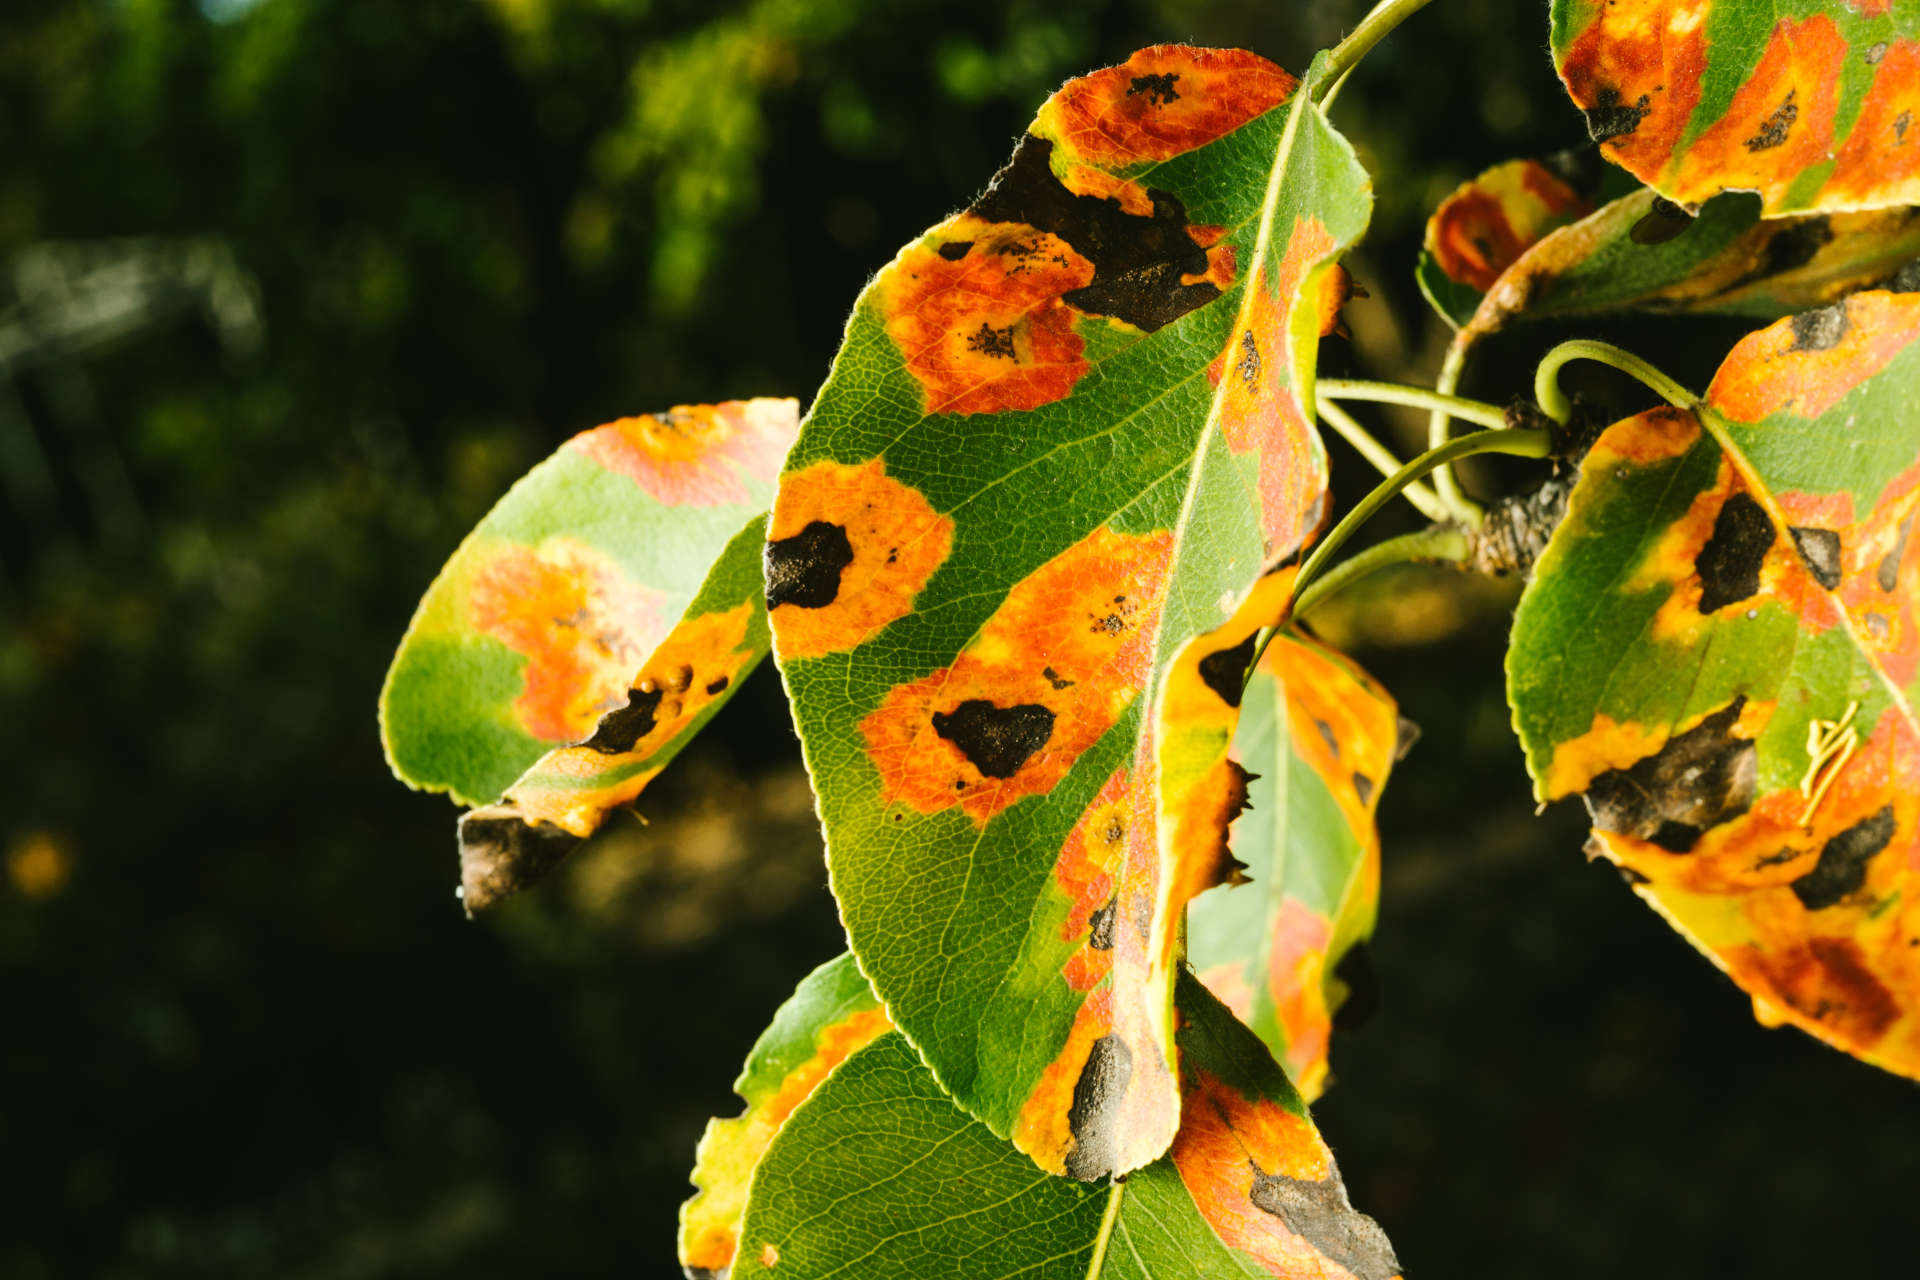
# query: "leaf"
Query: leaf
{"points": [[1483, 228], [831, 1015], [1063, 437], [595, 619], [1809, 103], [1285, 952], [1728, 594], [879, 1174]]}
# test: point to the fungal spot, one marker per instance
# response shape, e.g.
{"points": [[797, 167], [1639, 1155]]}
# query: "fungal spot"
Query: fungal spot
{"points": [[1320, 1213], [1729, 565], [1608, 118], [1094, 1117], [1821, 329], [1326, 736], [1773, 130], [804, 570], [1888, 574], [717, 686], [1663, 221], [1225, 672], [1901, 123], [1795, 245], [619, 730], [989, 341], [954, 250], [1055, 679], [1842, 867], [501, 853], [1100, 926], [1875, 52], [1820, 550], [1363, 787], [1698, 780], [1363, 988], [1138, 260], [1864, 1006], [1158, 88], [995, 740], [1248, 365]]}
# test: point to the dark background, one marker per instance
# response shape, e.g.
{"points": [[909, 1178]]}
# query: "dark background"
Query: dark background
{"points": [[290, 290]]}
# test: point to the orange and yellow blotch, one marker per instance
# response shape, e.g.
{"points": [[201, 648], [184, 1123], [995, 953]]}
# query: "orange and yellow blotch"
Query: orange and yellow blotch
{"points": [[1057, 664], [697, 455], [1805, 364], [1636, 71], [695, 666], [848, 548], [1483, 227], [581, 623], [1162, 102]]}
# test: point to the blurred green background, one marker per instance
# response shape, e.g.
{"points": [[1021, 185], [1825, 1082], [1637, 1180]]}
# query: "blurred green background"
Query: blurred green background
{"points": [[290, 290]]}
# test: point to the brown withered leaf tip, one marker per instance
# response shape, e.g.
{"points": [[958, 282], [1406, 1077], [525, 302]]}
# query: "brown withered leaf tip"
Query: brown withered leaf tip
{"points": [[501, 854]]}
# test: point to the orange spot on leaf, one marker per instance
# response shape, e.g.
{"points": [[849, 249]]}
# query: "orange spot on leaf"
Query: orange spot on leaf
{"points": [[1483, 228], [1162, 102], [1636, 72], [697, 455], [1805, 364], [1880, 161]]}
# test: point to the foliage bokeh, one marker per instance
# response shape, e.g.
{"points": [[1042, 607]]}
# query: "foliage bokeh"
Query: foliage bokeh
{"points": [[250, 1032]]}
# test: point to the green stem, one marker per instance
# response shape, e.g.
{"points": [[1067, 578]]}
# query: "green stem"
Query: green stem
{"points": [[1440, 429], [1546, 379], [1382, 457], [1386, 15], [1521, 442], [1444, 543], [1115, 1190], [1489, 416]]}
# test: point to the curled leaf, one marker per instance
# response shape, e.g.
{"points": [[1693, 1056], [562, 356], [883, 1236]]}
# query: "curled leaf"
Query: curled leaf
{"points": [[1719, 652]]}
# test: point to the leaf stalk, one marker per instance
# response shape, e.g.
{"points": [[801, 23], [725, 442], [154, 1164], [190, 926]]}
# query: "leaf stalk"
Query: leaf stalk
{"points": [[1438, 544], [1553, 401], [1477, 411], [1381, 457], [1373, 28]]}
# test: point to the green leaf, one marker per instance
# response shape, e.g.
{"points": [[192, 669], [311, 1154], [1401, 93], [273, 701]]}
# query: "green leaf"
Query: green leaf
{"points": [[879, 1174], [1720, 651], [1065, 435], [831, 1015], [1483, 228], [1808, 102], [590, 624], [1320, 737]]}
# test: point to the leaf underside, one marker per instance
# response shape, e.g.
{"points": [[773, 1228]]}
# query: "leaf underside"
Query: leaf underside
{"points": [[1719, 652], [1320, 737], [880, 1174], [1067, 432], [1810, 103]]}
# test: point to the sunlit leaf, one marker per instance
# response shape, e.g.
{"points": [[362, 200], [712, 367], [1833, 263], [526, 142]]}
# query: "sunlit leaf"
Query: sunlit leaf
{"points": [[831, 1015], [879, 1174], [1068, 431], [1808, 102], [1485, 225], [1320, 737], [1720, 651], [602, 611]]}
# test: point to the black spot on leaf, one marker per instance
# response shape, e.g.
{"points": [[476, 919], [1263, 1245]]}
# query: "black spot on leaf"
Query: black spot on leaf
{"points": [[1094, 1117], [1842, 867], [1774, 129], [1055, 679], [1100, 926], [1158, 88], [804, 570], [1608, 118], [1225, 672], [995, 740], [717, 686], [1138, 259], [1326, 736], [619, 730], [1698, 780], [954, 250], [1363, 787], [1820, 329], [1820, 549], [501, 853], [990, 341], [1248, 365], [1888, 574], [1729, 565], [1320, 1213]]}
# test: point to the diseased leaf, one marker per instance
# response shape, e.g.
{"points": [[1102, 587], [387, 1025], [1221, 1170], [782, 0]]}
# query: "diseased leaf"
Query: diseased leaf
{"points": [[831, 1015], [1068, 431], [880, 1174], [598, 615], [1483, 228], [1719, 652], [1808, 102], [1320, 737]]}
